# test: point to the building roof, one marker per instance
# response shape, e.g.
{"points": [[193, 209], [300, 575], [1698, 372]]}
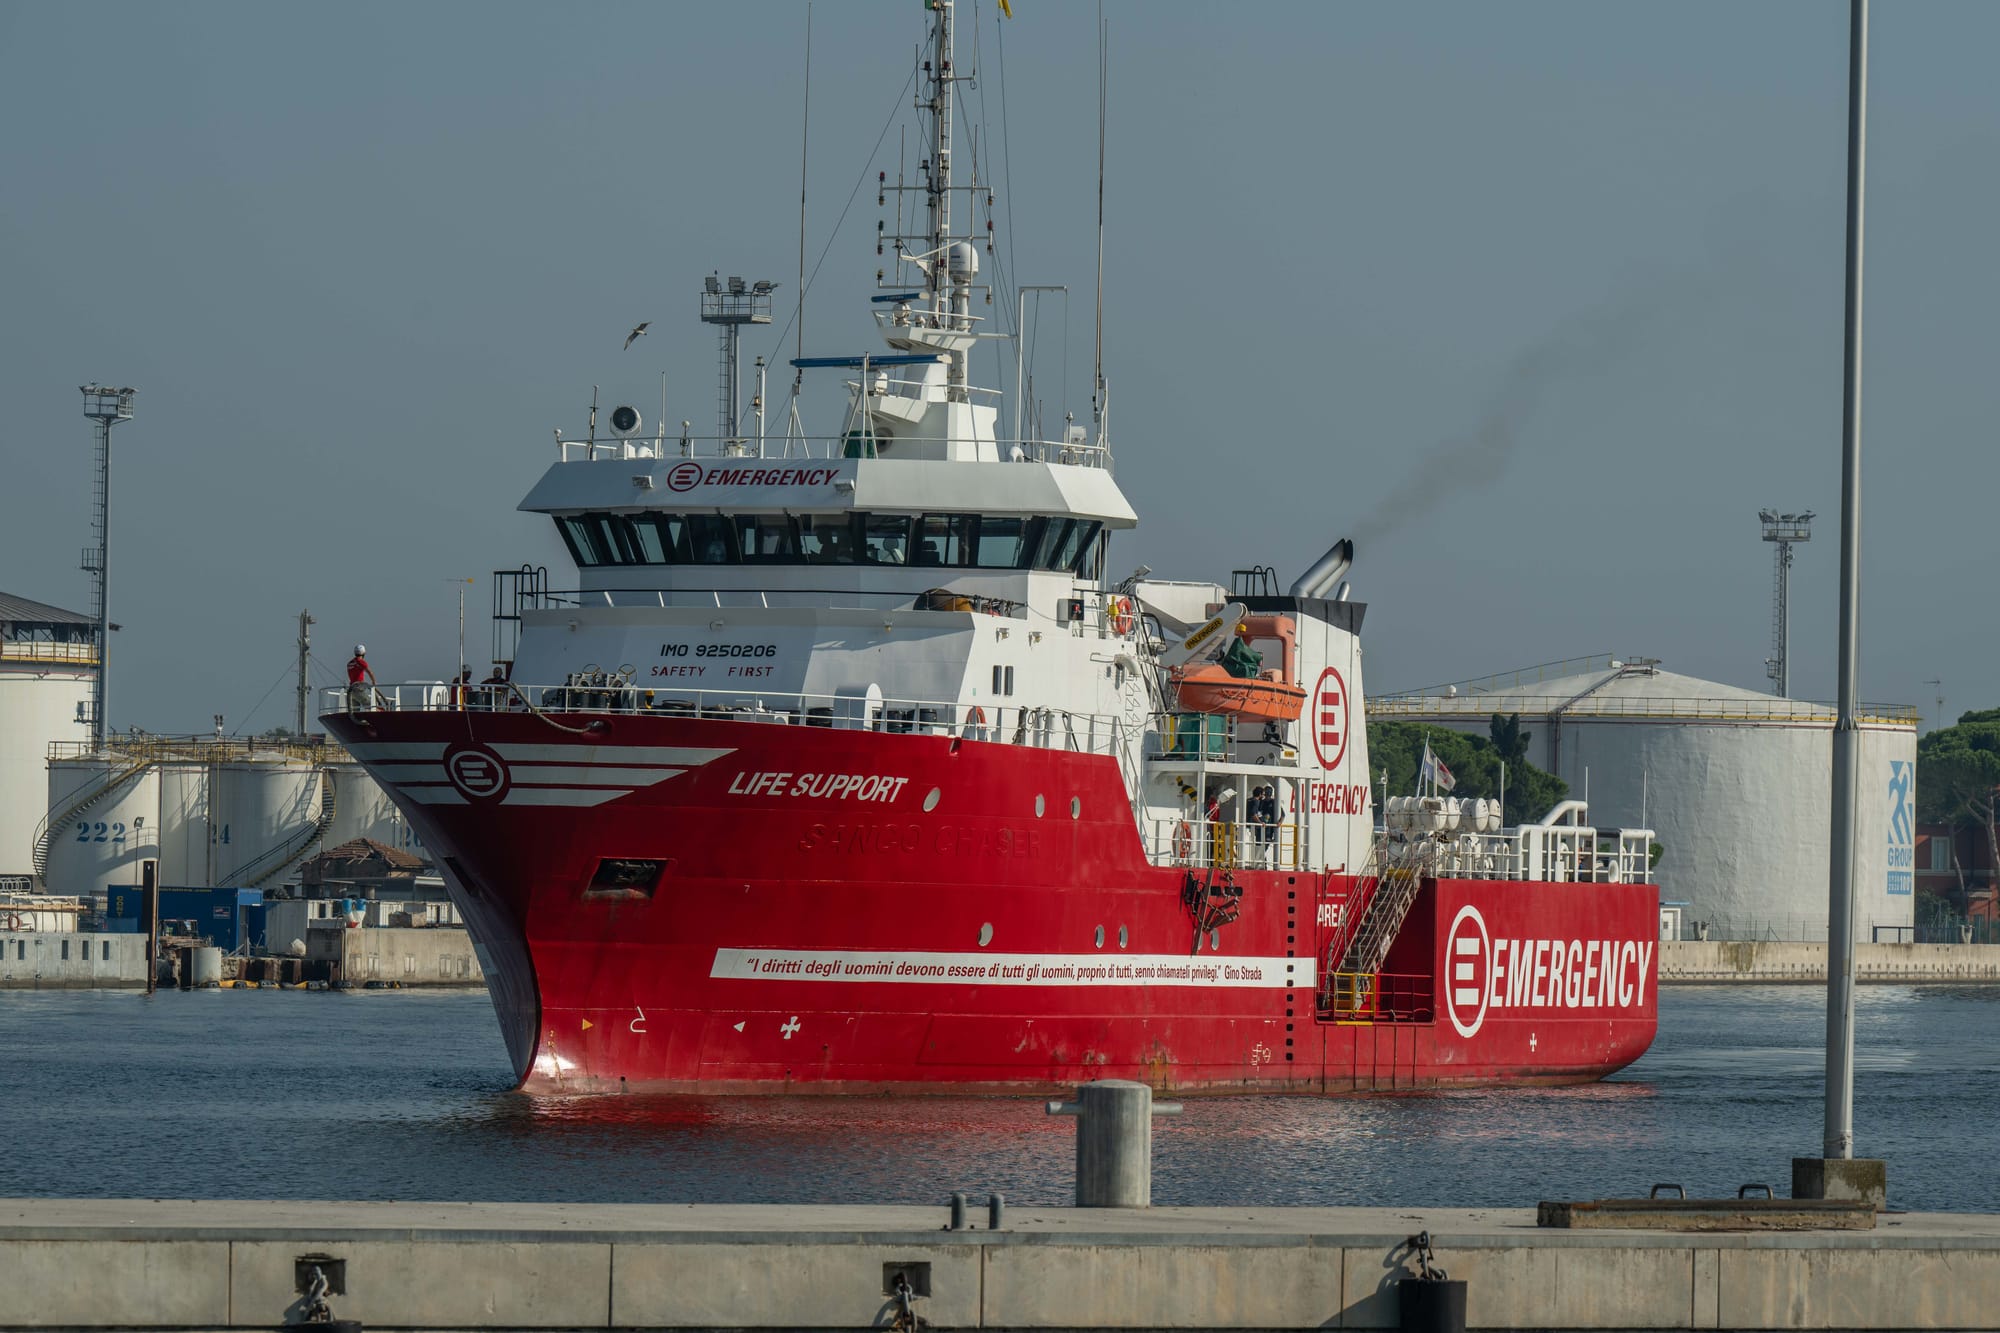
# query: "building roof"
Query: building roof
{"points": [[22, 609], [364, 849], [1613, 688]]}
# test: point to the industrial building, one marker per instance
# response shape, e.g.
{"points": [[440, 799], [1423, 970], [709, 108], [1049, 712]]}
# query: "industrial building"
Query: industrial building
{"points": [[1736, 785], [48, 670], [213, 811]]}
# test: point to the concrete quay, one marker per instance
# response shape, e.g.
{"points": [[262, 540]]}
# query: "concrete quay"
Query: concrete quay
{"points": [[1765, 962], [129, 1264]]}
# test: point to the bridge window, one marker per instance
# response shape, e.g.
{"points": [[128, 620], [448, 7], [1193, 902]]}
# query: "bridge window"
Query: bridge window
{"points": [[1001, 544], [767, 539], [944, 539], [888, 538], [951, 541]]}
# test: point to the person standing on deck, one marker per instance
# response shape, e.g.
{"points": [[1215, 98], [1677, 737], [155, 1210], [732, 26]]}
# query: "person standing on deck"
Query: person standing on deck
{"points": [[360, 680]]}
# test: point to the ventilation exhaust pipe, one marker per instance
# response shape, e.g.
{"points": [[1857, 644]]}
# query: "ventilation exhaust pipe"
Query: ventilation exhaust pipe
{"points": [[1325, 571]]}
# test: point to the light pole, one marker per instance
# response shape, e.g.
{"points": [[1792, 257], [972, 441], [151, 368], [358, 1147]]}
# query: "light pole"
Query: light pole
{"points": [[107, 407], [1838, 1174]]}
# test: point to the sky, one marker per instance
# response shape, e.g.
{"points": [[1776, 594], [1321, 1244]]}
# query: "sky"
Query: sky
{"points": [[1539, 302]]}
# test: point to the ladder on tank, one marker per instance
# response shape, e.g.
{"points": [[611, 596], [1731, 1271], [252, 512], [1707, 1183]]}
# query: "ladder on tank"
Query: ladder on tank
{"points": [[286, 854], [56, 821]]}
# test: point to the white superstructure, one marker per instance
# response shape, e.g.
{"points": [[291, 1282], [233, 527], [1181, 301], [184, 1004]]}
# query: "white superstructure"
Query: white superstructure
{"points": [[1735, 783], [921, 569]]}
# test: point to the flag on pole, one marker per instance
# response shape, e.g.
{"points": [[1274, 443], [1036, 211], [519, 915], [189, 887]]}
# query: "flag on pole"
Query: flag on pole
{"points": [[1434, 771]]}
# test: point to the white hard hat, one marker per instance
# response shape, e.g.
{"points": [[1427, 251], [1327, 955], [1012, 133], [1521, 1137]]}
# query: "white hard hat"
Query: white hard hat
{"points": [[361, 650]]}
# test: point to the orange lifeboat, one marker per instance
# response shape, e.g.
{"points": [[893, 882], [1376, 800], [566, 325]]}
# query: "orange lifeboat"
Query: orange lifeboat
{"points": [[1269, 695], [1211, 689]]}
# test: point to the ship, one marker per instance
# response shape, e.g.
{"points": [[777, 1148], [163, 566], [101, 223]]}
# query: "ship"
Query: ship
{"points": [[848, 765]]}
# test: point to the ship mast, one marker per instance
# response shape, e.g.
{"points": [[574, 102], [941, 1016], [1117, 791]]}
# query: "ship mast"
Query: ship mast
{"points": [[951, 266], [939, 69]]}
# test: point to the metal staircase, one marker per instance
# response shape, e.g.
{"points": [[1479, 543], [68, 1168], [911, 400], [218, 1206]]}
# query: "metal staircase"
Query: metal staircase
{"points": [[56, 821], [287, 854], [1383, 897]]}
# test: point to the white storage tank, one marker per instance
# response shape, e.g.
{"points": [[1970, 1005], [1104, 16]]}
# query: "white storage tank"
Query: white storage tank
{"points": [[256, 805], [48, 665], [1735, 784], [363, 810], [184, 828], [101, 846]]}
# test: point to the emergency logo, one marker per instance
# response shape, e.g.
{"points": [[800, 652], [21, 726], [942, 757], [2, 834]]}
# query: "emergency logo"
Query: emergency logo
{"points": [[1469, 955], [1902, 826], [683, 476], [1326, 714], [477, 772], [1483, 974]]}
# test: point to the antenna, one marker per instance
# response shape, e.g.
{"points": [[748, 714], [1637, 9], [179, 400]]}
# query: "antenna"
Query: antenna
{"points": [[107, 407], [805, 138], [1097, 403], [730, 305], [306, 622], [1782, 530], [1937, 719]]}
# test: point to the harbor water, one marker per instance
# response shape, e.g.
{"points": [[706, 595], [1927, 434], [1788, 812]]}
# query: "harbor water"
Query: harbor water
{"points": [[403, 1095]]}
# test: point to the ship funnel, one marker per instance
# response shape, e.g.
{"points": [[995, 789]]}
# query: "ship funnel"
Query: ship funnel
{"points": [[1326, 570]]}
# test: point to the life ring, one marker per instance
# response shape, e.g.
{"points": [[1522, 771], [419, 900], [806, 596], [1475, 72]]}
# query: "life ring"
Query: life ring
{"points": [[1122, 619], [975, 720], [1183, 842]]}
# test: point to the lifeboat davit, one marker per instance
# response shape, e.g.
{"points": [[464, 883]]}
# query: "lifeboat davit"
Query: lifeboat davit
{"points": [[1272, 695]]}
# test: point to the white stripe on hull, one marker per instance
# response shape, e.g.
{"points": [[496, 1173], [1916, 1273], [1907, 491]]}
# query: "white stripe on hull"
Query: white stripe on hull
{"points": [[1013, 969]]}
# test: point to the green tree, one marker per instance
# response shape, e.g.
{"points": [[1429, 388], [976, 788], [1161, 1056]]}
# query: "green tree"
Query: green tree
{"points": [[1958, 776], [1474, 761]]}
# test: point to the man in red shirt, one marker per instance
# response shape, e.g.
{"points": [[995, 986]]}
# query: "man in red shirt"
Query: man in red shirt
{"points": [[360, 680]]}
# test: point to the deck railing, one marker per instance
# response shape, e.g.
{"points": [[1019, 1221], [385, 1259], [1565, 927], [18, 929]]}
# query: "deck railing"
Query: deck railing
{"points": [[1226, 845], [599, 694], [676, 447], [1375, 997]]}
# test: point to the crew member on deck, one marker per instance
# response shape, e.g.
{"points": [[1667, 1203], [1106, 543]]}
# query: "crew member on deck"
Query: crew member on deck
{"points": [[360, 680], [1263, 812]]}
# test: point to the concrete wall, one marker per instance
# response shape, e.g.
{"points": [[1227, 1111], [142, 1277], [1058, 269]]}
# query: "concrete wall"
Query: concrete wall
{"points": [[1758, 961], [35, 959], [214, 1265], [430, 956]]}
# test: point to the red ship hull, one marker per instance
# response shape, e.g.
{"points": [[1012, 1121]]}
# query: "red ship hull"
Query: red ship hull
{"points": [[841, 912]]}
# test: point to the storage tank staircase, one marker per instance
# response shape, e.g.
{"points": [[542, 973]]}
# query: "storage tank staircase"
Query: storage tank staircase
{"points": [[289, 852], [57, 821]]}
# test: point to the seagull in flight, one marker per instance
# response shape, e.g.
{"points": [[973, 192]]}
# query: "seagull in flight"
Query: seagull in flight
{"points": [[637, 333]]}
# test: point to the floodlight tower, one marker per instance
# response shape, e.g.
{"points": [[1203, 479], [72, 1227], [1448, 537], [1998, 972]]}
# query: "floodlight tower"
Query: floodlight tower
{"points": [[1783, 530], [731, 309], [107, 407]]}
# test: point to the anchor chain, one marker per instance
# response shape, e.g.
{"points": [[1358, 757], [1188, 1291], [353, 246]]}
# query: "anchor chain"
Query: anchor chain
{"points": [[907, 1319]]}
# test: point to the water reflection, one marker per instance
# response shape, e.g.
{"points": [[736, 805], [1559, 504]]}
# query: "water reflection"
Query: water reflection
{"points": [[403, 1095]]}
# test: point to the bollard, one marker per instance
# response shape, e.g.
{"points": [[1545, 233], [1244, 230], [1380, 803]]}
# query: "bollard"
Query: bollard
{"points": [[1114, 1142], [957, 1210], [996, 1211]]}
